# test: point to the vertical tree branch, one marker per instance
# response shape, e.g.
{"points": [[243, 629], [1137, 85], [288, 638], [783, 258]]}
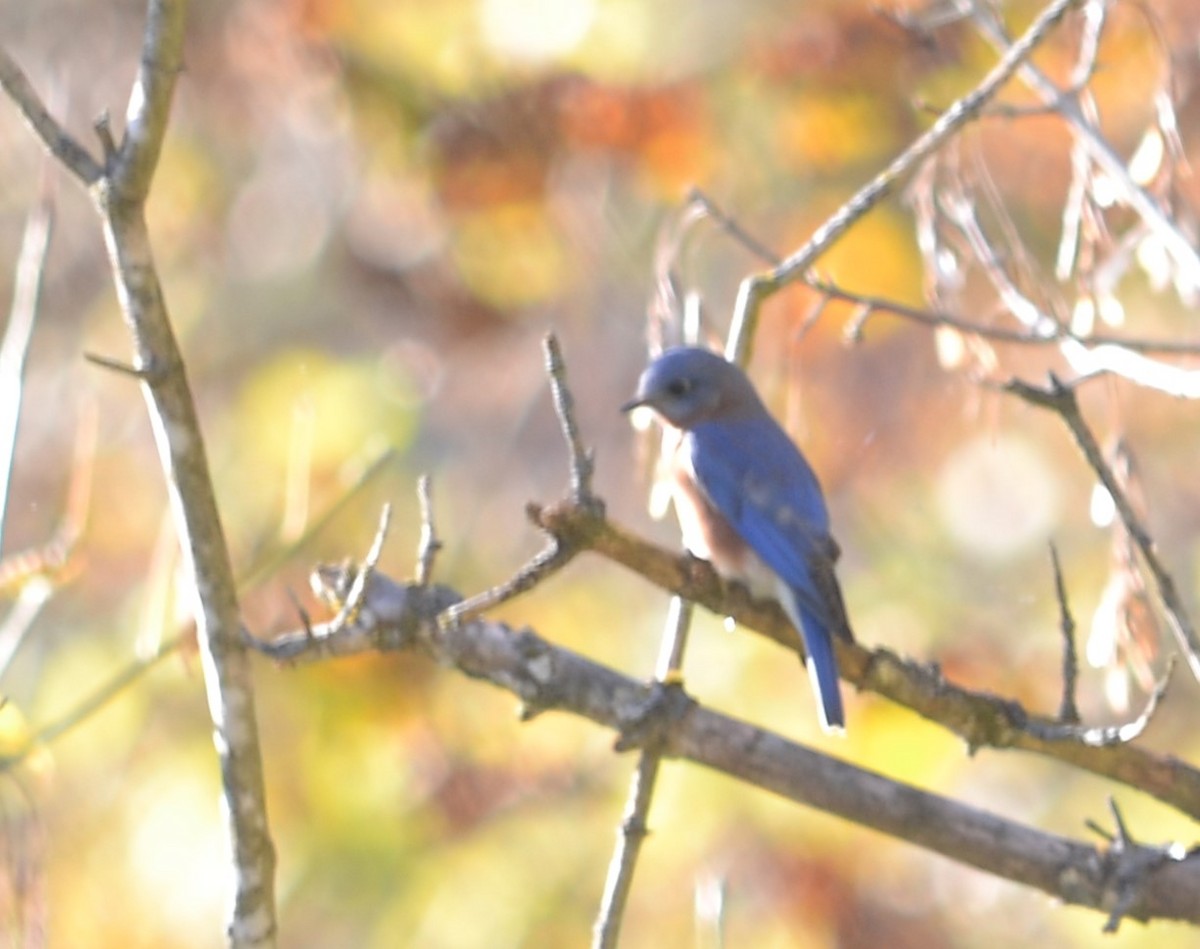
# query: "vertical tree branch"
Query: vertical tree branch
{"points": [[634, 826], [120, 189], [180, 444]]}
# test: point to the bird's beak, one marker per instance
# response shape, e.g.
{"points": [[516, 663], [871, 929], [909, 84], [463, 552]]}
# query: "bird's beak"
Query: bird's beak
{"points": [[640, 410]]}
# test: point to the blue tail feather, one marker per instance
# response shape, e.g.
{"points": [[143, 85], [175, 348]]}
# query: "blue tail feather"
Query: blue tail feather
{"points": [[823, 672]]}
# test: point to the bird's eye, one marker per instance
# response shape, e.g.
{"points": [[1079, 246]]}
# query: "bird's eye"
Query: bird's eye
{"points": [[679, 387]]}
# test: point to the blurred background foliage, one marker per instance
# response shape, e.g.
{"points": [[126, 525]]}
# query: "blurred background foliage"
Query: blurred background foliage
{"points": [[367, 214]]}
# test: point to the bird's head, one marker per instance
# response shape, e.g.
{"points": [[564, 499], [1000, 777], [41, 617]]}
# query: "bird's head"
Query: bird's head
{"points": [[689, 385]]}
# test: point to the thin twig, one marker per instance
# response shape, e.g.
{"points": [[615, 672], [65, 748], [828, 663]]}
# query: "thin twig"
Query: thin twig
{"points": [[37, 573], [543, 564], [960, 210], [556, 554], [95, 701], [630, 835], [582, 460], [19, 620], [734, 229], [1048, 333], [269, 561], [1129, 866], [108, 144], [664, 324], [1087, 356]]}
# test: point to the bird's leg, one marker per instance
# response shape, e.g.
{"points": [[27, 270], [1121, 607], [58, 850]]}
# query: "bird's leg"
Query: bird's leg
{"points": [[651, 723]]}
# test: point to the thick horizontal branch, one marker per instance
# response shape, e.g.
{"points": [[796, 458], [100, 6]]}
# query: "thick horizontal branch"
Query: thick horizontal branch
{"points": [[1146, 883], [981, 719]]}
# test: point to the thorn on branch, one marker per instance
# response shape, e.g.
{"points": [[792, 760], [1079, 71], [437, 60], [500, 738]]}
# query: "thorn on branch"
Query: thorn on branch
{"points": [[853, 333], [814, 314], [582, 459], [1068, 711], [108, 145], [302, 613], [149, 375]]}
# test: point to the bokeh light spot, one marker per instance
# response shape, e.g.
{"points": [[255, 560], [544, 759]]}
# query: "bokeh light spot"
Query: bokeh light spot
{"points": [[536, 29], [997, 495]]}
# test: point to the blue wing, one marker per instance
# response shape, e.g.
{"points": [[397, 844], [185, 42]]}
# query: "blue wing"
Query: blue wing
{"points": [[759, 481]]}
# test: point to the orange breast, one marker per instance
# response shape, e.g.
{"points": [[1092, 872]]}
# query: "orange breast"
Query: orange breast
{"points": [[706, 532]]}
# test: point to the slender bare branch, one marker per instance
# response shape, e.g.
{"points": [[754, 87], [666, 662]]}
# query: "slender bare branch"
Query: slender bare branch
{"points": [[582, 462], [755, 288], [1094, 19], [120, 188], [632, 832]]}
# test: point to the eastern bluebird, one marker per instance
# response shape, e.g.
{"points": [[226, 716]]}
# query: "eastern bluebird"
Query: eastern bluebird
{"points": [[748, 502]]}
